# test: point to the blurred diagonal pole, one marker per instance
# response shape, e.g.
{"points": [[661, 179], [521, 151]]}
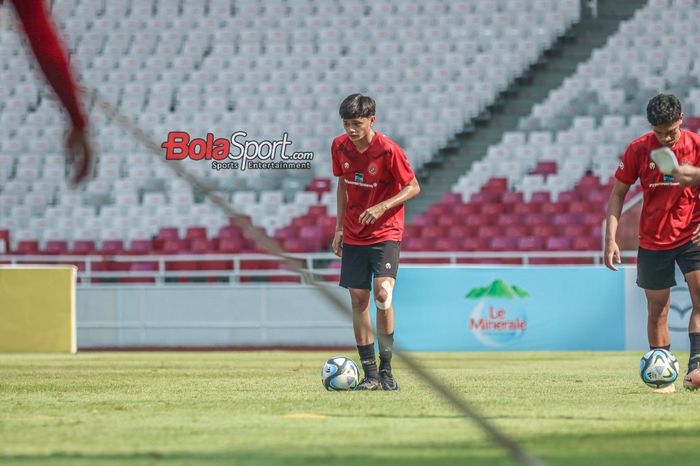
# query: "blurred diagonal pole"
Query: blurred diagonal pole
{"points": [[518, 453]]}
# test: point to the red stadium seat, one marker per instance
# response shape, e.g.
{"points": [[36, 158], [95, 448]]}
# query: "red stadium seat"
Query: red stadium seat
{"points": [[503, 243], [530, 243], [415, 244], [465, 210], [587, 244], [112, 247], [83, 247], [527, 208], [230, 231], [473, 244], [554, 208], [27, 247], [510, 197], [459, 232], [541, 196], [175, 246], [196, 232], [447, 244], [203, 246], [166, 233], [140, 247], [558, 244], [230, 245], [567, 197], [56, 247], [446, 221], [451, 198], [545, 168], [5, 236]]}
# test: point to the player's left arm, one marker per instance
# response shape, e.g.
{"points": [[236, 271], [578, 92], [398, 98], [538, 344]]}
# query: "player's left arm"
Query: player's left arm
{"points": [[408, 192], [53, 61]]}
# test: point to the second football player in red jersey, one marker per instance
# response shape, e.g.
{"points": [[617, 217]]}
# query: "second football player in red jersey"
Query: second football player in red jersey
{"points": [[374, 181], [667, 224]]}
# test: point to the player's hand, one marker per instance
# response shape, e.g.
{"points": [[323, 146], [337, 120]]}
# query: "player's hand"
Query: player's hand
{"points": [[696, 236], [79, 156], [612, 255], [371, 215], [687, 175], [337, 244]]}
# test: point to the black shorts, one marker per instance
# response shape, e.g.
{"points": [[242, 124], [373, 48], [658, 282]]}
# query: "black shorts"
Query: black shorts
{"points": [[359, 263], [656, 269]]}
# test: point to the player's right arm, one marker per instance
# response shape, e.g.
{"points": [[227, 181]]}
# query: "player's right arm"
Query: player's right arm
{"points": [[611, 254], [341, 200]]}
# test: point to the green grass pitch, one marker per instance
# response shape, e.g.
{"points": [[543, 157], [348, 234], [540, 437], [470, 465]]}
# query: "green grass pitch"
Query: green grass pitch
{"points": [[269, 408]]}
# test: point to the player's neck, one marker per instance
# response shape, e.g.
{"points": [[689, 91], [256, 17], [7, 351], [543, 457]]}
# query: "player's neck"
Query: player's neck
{"points": [[363, 144]]}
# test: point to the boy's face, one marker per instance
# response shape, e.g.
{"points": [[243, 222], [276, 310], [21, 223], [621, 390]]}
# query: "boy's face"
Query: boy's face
{"points": [[668, 135], [358, 128]]}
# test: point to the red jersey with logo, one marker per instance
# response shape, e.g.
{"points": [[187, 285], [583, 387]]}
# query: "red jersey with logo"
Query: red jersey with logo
{"points": [[371, 177], [668, 210]]}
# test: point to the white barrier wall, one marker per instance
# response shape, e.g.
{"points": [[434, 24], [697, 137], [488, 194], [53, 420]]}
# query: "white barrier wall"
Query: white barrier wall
{"points": [[566, 308], [206, 316]]}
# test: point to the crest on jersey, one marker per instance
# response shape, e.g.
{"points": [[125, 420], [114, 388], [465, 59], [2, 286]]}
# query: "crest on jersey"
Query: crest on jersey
{"points": [[346, 165], [372, 169], [652, 165]]}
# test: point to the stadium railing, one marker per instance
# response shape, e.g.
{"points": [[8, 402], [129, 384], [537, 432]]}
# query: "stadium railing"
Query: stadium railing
{"points": [[244, 268]]}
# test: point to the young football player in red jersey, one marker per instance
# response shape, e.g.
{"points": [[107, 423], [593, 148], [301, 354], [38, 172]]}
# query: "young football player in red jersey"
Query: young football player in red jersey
{"points": [[374, 181], [667, 225], [53, 61]]}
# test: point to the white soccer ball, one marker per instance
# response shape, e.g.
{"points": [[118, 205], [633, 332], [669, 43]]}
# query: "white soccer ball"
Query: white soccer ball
{"points": [[659, 368], [340, 373]]}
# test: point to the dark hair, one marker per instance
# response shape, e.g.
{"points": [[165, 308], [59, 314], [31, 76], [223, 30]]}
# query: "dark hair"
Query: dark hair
{"points": [[663, 109], [357, 106]]}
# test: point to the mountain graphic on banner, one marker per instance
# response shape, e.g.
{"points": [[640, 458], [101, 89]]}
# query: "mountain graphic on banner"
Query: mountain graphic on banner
{"points": [[497, 289]]}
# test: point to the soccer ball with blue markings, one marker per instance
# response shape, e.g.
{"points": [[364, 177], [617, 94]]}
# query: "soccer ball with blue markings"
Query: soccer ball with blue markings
{"points": [[340, 373], [659, 368]]}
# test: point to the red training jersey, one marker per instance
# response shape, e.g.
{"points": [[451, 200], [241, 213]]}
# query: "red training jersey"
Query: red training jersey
{"points": [[50, 55], [371, 177], [668, 210]]}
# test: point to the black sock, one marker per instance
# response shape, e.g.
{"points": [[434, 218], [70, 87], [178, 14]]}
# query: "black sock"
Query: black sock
{"points": [[369, 362], [694, 345], [386, 342], [667, 347]]}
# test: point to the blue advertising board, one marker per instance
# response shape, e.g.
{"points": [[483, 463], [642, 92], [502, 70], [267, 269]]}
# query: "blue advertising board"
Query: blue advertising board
{"points": [[509, 309]]}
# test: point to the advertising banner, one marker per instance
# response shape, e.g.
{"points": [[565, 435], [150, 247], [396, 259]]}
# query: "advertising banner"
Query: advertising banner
{"points": [[510, 309]]}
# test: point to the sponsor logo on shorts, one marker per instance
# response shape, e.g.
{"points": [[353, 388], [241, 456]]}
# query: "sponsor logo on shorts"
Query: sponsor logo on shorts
{"points": [[388, 266]]}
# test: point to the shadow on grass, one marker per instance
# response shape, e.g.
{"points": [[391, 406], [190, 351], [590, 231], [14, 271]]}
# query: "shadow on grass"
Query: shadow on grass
{"points": [[646, 448]]}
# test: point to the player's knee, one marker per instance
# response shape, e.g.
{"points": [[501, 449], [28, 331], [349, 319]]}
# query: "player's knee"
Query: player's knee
{"points": [[359, 303], [658, 314], [383, 296]]}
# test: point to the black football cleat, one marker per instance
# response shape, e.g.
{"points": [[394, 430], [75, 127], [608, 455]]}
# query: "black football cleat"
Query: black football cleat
{"points": [[387, 380], [369, 383]]}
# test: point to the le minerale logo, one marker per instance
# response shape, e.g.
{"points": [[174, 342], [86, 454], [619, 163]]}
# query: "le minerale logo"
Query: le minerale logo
{"points": [[498, 318]]}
